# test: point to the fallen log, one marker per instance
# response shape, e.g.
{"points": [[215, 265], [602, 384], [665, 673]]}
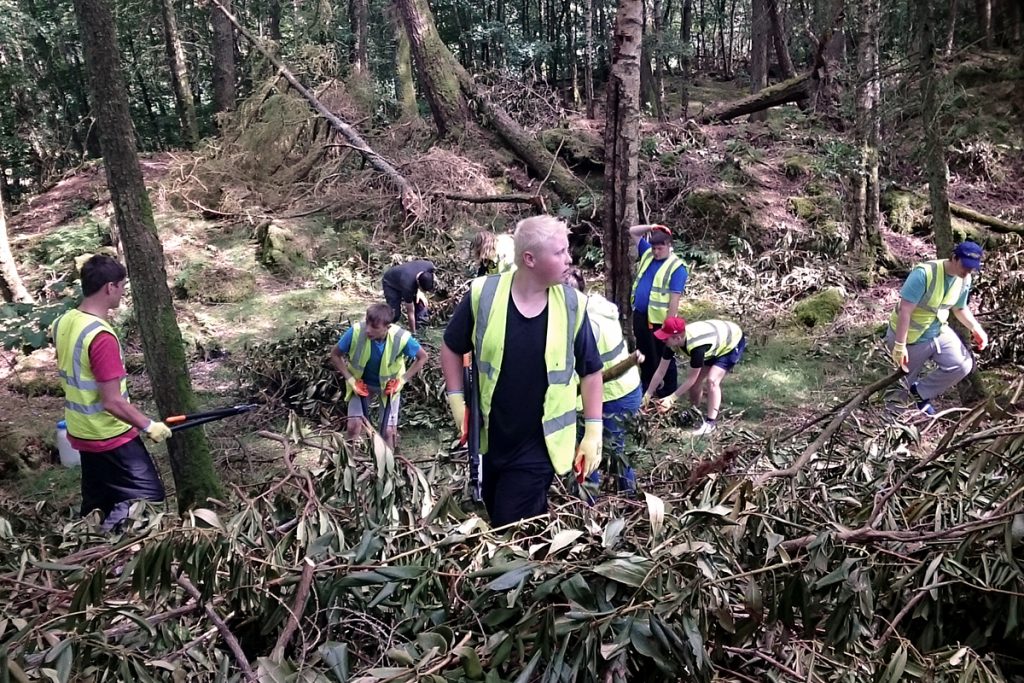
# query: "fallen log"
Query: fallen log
{"points": [[534, 200], [407, 195], [969, 214]]}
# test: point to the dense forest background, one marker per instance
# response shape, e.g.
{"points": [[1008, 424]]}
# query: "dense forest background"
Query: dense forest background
{"points": [[258, 164]]}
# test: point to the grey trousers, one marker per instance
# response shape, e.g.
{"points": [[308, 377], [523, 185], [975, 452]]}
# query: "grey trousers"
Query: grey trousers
{"points": [[953, 359]]}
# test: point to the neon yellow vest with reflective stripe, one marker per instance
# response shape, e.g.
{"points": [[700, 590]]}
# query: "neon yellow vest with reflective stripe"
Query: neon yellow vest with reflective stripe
{"points": [[73, 334], [657, 305], [722, 335], [935, 303], [604, 320], [490, 296], [392, 363]]}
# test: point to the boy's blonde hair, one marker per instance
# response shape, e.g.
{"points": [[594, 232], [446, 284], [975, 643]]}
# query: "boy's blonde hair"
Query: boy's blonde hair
{"points": [[533, 233]]}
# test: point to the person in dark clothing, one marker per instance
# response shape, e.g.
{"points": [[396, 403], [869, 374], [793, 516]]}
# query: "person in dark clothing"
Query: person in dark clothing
{"points": [[536, 352], [405, 286]]}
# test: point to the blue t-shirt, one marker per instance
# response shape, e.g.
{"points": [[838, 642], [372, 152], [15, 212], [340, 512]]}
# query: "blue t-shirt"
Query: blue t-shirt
{"points": [[676, 284], [913, 290], [371, 374]]}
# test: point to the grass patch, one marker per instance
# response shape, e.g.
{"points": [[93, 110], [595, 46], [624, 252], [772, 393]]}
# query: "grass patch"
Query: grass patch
{"points": [[55, 484]]}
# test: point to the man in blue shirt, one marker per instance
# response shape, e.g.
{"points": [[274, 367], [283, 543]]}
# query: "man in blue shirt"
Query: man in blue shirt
{"points": [[918, 331], [660, 281], [371, 357]]}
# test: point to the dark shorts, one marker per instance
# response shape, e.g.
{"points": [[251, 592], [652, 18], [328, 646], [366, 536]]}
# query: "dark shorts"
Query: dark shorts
{"points": [[729, 360], [123, 473], [515, 485]]}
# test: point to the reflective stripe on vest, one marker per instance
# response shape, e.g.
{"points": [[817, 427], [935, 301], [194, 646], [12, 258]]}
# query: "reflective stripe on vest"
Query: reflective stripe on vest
{"points": [[392, 362], [722, 335], [490, 299], [936, 301], [604, 321], [73, 334], [657, 304]]}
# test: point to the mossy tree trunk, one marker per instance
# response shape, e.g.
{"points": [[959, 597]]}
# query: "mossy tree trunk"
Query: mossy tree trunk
{"points": [[434, 61], [358, 13], [759, 33], [191, 463], [11, 286], [178, 66], [685, 38], [779, 39], [658, 55], [935, 146], [622, 146], [865, 232], [588, 57], [405, 85]]}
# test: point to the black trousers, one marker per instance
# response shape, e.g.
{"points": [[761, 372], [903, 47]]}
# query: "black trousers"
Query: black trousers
{"points": [[394, 299], [515, 485], [117, 476], [653, 348]]}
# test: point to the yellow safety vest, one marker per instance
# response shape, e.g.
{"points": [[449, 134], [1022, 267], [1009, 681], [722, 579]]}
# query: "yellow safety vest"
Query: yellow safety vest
{"points": [[392, 363], [490, 296], [73, 334], [604, 320], [935, 303], [722, 335], [657, 306]]}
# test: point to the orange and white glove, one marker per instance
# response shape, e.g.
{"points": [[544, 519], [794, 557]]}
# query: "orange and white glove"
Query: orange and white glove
{"points": [[980, 338], [666, 404], [358, 386], [588, 453], [393, 386]]}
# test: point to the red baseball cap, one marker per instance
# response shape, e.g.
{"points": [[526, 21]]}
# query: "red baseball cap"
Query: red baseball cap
{"points": [[670, 328]]}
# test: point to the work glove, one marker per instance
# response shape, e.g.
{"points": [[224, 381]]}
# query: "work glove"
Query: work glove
{"points": [[393, 386], [588, 453], [899, 356], [358, 386], [980, 338], [157, 431], [457, 403], [666, 404]]}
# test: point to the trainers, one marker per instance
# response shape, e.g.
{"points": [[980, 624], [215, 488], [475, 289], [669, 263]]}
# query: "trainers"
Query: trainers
{"points": [[705, 428], [923, 404]]}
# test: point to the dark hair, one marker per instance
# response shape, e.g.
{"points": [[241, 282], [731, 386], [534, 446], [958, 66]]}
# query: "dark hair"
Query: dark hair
{"points": [[379, 314], [576, 278], [658, 237], [100, 270], [425, 280]]}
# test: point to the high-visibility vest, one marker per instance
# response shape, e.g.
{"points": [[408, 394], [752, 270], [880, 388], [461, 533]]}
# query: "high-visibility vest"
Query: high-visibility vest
{"points": [[505, 256], [392, 363], [73, 334], [566, 307], [604, 320], [723, 336], [657, 306], [935, 303]]}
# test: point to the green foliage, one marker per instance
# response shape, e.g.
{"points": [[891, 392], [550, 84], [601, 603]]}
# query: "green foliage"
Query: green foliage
{"points": [[836, 160], [25, 327], [215, 283], [59, 248], [820, 308]]}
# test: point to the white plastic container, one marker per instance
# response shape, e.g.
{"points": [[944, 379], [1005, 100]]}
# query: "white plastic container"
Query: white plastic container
{"points": [[69, 456]]}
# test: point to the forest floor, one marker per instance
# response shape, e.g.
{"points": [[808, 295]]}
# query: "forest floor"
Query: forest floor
{"points": [[786, 172]]}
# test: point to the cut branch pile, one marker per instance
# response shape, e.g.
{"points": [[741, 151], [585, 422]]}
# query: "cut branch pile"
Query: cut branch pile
{"points": [[870, 558]]}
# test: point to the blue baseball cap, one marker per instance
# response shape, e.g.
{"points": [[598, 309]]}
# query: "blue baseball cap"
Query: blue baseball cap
{"points": [[969, 254]]}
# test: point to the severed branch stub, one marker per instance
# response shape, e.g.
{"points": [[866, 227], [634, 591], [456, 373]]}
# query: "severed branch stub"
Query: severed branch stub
{"points": [[409, 198]]}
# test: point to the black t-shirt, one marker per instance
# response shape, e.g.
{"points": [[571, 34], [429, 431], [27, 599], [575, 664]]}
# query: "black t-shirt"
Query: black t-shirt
{"points": [[402, 278], [698, 357], [517, 406]]}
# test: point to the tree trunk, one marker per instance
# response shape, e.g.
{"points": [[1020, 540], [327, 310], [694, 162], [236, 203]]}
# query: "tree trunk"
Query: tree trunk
{"points": [[732, 35], [658, 54], [191, 464], [622, 145], [865, 233], [984, 20], [588, 58], [951, 29], [935, 146], [779, 39], [358, 22], [434, 62], [223, 60], [685, 63], [405, 84], [178, 66], [274, 20], [759, 34], [11, 286]]}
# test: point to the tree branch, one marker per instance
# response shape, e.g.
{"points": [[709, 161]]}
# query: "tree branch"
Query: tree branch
{"points": [[229, 638]]}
